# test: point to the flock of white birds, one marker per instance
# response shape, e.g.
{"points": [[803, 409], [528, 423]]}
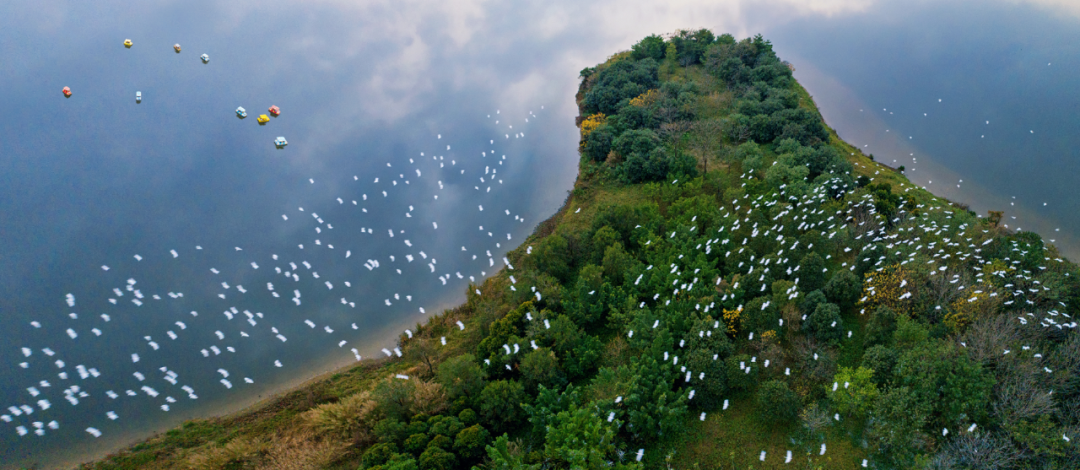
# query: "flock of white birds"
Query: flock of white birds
{"points": [[47, 372]]}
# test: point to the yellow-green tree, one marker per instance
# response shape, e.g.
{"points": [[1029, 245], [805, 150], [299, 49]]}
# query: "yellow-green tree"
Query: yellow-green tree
{"points": [[855, 391]]}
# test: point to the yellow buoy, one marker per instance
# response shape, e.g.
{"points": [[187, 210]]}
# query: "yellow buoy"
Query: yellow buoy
{"points": [[263, 119], [127, 43]]}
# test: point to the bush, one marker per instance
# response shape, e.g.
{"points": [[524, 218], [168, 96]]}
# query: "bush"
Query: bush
{"points": [[843, 289], [471, 441], [541, 367], [825, 324], [811, 272], [435, 458], [811, 301], [598, 143], [379, 454], [882, 325], [461, 376], [777, 404], [500, 403], [650, 47], [881, 359]]}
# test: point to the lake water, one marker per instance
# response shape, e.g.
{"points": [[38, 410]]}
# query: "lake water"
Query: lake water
{"points": [[97, 178]]}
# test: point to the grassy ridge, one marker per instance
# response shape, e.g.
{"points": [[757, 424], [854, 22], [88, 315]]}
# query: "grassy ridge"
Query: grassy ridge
{"points": [[668, 163]]}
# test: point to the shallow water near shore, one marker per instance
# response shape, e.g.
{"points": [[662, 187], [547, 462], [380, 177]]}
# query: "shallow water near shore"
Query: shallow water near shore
{"points": [[98, 178]]}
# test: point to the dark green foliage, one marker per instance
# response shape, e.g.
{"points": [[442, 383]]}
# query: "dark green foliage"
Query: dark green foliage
{"points": [[884, 200], [757, 319], [467, 417], [811, 301], [650, 47], [895, 431], [470, 442], [637, 141], [444, 425], [941, 376], [500, 403], [389, 430], [540, 367], [619, 82], [777, 403], [882, 359], [379, 454], [825, 324], [553, 257], [741, 379], [435, 458], [398, 462], [843, 289], [881, 327], [690, 46], [501, 458], [811, 272], [416, 443], [708, 392], [441, 441], [461, 376], [598, 142]]}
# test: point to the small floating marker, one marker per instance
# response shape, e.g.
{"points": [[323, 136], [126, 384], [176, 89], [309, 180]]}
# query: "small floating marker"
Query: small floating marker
{"points": [[127, 43], [138, 97]]}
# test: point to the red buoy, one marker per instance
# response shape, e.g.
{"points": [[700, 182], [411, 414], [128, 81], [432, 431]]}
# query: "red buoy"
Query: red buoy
{"points": [[274, 110], [67, 92]]}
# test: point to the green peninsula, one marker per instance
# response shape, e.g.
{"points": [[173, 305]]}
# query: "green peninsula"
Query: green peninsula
{"points": [[728, 285]]}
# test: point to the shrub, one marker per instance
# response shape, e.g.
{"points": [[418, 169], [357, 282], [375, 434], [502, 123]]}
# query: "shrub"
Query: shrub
{"points": [[825, 324], [777, 403]]}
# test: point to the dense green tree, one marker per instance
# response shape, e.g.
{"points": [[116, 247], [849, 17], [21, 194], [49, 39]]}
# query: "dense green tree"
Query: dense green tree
{"points": [[461, 376], [416, 443], [825, 324], [650, 47], [500, 403], [540, 367], [843, 289], [881, 359], [709, 391], [598, 142], [811, 272], [882, 325], [470, 442], [553, 257], [379, 454], [777, 403], [619, 82], [946, 380], [502, 457], [896, 431], [436, 458], [580, 439]]}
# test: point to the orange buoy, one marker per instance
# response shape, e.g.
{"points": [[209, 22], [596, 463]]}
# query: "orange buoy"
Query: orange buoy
{"points": [[176, 47], [263, 119], [67, 92], [274, 110]]}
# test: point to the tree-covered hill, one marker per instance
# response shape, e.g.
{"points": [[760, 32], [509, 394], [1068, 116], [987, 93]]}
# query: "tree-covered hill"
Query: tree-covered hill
{"points": [[727, 285]]}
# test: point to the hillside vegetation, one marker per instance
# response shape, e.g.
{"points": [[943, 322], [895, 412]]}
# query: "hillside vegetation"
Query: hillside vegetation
{"points": [[728, 285]]}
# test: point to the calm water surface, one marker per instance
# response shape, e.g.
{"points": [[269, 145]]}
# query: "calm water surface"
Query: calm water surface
{"points": [[96, 179]]}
